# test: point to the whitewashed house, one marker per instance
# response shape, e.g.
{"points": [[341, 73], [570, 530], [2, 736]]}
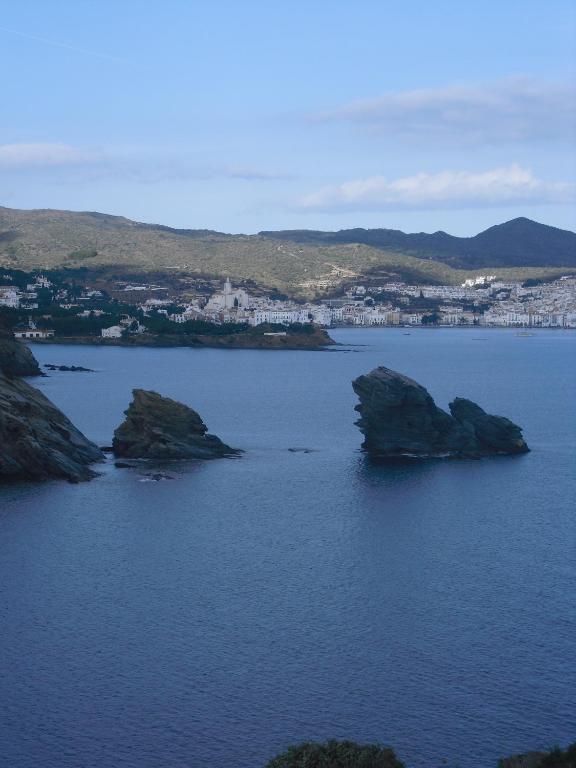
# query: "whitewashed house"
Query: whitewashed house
{"points": [[9, 297], [114, 332]]}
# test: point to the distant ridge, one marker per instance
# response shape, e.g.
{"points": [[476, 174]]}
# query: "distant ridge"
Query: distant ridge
{"points": [[299, 263], [520, 242]]}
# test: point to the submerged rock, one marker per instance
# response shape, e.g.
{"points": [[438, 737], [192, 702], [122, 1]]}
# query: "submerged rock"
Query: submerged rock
{"points": [[159, 428], [156, 477], [37, 441], [15, 358], [399, 418]]}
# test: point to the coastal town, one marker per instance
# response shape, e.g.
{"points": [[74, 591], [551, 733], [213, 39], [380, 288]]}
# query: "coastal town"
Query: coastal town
{"points": [[43, 306]]}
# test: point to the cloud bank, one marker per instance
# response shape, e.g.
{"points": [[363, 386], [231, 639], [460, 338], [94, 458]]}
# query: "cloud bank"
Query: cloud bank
{"points": [[512, 109], [510, 185]]}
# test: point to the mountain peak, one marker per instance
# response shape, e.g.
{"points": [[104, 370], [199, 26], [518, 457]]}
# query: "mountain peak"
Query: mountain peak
{"points": [[518, 242]]}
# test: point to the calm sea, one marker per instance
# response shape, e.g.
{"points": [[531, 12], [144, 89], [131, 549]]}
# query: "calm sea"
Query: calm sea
{"points": [[210, 620]]}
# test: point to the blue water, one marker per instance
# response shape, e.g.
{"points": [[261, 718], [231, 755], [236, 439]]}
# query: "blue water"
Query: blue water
{"points": [[211, 620]]}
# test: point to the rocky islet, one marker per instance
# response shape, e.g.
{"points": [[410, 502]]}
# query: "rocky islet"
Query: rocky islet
{"points": [[399, 419], [157, 427]]}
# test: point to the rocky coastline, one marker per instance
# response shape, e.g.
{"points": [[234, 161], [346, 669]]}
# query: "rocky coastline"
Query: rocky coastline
{"points": [[37, 442], [16, 359], [317, 340]]}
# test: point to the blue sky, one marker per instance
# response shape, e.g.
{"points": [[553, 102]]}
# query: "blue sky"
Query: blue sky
{"points": [[242, 116]]}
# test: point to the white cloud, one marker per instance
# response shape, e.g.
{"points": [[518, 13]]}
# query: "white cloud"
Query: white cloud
{"points": [[448, 189], [512, 109], [15, 156]]}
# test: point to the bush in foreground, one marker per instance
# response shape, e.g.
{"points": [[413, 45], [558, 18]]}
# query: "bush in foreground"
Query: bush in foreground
{"points": [[561, 758], [556, 758], [336, 754]]}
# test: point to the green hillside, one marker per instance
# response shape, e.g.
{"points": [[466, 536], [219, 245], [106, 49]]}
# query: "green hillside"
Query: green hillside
{"points": [[47, 239]]}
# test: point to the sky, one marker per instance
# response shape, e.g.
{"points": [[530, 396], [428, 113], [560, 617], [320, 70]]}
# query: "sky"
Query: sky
{"points": [[248, 115]]}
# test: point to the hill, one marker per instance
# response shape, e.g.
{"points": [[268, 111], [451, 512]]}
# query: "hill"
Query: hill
{"points": [[517, 243], [49, 239]]}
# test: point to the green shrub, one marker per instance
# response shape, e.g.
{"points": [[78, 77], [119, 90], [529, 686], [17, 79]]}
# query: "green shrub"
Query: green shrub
{"points": [[560, 758], [336, 754]]}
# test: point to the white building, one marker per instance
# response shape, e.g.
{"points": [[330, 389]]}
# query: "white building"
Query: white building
{"points": [[228, 298], [9, 297], [91, 313], [32, 332], [479, 280], [114, 332]]}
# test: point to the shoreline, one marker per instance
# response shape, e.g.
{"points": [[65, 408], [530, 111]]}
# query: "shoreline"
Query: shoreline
{"points": [[316, 342]]}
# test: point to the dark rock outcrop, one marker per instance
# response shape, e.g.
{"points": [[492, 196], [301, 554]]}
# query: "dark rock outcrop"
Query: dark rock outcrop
{"points": [[15, 358], [71, 368], [159, 428], [37, 441], [494, 434], [399, 418]]}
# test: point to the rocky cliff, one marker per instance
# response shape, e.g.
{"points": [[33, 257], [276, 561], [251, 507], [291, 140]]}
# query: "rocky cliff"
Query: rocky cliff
{"points": [[399, 418], [37, 441], [15, 357], [159, 428]]}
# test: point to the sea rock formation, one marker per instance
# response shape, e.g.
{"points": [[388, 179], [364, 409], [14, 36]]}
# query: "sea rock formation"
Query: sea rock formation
{"points": [[15, 358], [37, 441], [159, 428], [494, 434], [399, 418]]}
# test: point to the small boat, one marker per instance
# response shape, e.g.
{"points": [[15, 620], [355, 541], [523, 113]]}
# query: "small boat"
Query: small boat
{"points": [[525, 333]]}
